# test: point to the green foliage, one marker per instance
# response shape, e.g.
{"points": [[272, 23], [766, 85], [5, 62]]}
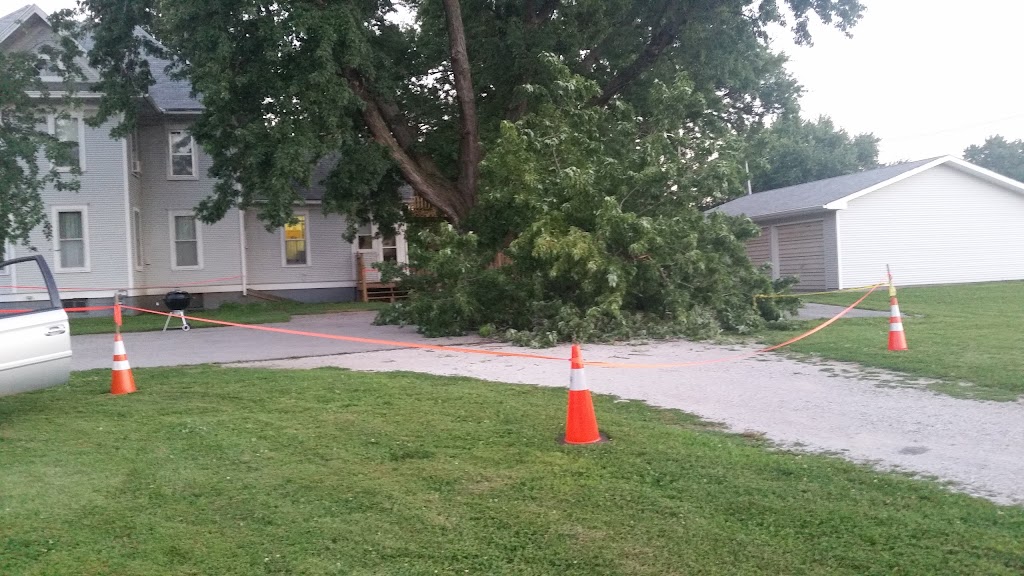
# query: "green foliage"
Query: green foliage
{"points": [[999, 155], [292, 82], [29, 157], [794, 151], [599, 215]]}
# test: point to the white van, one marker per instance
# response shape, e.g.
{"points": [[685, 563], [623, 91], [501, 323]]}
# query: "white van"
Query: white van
{"points": [[35, 339]]}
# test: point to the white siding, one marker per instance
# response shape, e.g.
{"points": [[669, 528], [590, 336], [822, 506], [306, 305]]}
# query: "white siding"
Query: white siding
{"points": [[102, 195], [331, 256], [802, 253], [940, 226], [160, 196]]}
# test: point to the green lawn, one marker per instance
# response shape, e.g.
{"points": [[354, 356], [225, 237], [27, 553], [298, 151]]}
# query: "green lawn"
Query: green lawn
{"points": [[967, 333], [211, 470], [261, 313]]}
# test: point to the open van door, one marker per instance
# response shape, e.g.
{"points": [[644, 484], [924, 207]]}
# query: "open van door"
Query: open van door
{"points": [[35, 339]]}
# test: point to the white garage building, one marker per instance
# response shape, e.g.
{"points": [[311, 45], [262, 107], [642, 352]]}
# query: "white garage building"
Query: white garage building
{"points": [[935, 221]]}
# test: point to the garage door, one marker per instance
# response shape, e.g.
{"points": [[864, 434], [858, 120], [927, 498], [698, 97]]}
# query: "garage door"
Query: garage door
{"points": [[802, 253], [759, 249]]}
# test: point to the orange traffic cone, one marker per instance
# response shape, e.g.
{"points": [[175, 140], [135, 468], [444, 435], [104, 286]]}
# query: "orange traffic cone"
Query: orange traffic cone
{"points": [[897, 339], [122, 381], [581, 422]]}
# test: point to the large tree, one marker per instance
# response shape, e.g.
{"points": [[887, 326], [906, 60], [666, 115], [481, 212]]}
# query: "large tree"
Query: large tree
{"points": [[999, 155], [29, 157], [794, 151], [288, 82]]}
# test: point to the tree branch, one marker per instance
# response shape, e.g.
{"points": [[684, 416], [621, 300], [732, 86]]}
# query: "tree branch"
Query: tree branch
{"points": [[419, 172], [469, 138], [663, 37]]}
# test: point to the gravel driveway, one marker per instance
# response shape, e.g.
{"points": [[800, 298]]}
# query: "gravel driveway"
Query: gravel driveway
{"points": [[865, 416]]}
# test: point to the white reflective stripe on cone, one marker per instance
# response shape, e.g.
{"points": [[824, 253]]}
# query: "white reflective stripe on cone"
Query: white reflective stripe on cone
{"points": [[121, 365], [119, 348], [894, 310], [896, 327], [577, 379]]}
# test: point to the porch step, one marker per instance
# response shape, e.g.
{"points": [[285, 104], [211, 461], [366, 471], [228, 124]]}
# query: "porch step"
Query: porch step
{"points": [[383, 292]]}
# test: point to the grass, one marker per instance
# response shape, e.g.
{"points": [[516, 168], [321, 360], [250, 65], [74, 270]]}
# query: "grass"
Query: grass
{"points": [[260, 313], [970, 336], [210, 470]]}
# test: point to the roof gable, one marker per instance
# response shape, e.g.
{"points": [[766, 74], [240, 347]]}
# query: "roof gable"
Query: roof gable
{"points": [[21, 16], [836, 193], [168, 95]]}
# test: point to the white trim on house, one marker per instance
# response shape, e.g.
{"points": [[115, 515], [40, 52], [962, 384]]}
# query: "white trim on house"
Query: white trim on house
{"points": [[55, 213], [127, 213], [243, 252], [839, 252], [51, 127], [963, 166], [170, 156], [63, 93], [29, 296], [138, 246], [28, 12], [284, 247], [304, 285], [171, 215]]}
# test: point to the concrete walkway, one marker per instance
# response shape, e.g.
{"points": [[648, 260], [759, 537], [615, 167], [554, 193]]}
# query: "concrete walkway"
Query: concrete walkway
{"points": [[865, 416]]}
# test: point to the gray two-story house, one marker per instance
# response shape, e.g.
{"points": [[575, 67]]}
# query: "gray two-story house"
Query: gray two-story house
{"points": [[131, 226]]}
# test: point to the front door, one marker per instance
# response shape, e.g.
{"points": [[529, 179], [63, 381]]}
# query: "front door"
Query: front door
{"points": [[379, 248], [35, 339]]}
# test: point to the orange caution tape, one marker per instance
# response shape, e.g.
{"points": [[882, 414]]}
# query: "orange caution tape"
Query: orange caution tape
{"points": [[356, 338], [78, 309], [596, 364], [745, 355]]}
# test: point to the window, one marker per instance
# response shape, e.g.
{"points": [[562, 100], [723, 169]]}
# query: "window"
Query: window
{"points": [[389, 248], [183, 156], [133, 153], [69, 131], [186, 242], [137, 234], [295, 235], [48, 70], [71, 239], [366, 242]]}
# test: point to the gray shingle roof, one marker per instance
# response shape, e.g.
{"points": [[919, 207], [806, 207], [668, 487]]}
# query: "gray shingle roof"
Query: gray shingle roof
{"points": [[813, 194], [168, 94]]}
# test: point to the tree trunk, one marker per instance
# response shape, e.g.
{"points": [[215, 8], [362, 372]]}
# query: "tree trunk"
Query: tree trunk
{"points": [[469, 127]]}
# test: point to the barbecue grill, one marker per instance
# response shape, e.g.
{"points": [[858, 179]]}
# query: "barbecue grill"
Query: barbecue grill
{"points": [[177, 302]]}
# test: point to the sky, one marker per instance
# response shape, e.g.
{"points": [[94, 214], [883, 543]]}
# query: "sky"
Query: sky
{"points": [[928, 77]]}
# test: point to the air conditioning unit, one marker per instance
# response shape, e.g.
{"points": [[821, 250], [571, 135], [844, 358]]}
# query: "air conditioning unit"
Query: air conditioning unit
{"points": [[136, 166]]}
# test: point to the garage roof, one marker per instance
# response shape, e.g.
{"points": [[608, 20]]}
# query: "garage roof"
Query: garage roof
{"points": [[814, 195]]}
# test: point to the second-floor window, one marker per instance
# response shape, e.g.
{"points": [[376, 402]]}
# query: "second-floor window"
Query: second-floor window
{"points": [[183, 155], [69, 132]]}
